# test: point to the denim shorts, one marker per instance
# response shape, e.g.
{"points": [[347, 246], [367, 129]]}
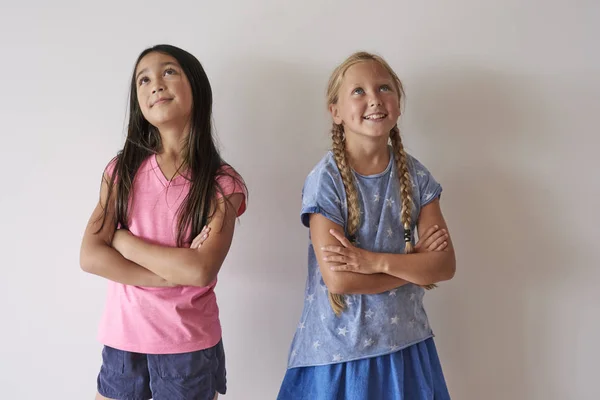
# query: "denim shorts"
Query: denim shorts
{"points": [[190, 376]]}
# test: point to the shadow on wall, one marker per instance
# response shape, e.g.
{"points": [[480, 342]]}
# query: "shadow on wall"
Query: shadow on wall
{"points": [[485, 130]]}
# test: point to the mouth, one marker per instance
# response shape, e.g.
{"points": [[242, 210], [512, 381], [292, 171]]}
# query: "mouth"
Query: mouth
{"points": [[375, 117], [160, 101]]}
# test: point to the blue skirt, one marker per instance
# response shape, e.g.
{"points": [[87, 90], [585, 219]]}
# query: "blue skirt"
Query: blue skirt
{"points": [[413, 373]]}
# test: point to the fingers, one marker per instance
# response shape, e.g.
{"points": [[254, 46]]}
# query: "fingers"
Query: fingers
{"points": [[442, 247], [430, 231], [335, 249], [342, 239], [337, 259], [201, 238], [426, 241], [436, 240]]}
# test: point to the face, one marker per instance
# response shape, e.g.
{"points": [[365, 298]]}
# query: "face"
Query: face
{"points": [[368, 103], [164, 92]]}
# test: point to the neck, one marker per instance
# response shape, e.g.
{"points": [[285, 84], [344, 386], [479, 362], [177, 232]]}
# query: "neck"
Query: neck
{"points": [[173, 138], [367, 156]]}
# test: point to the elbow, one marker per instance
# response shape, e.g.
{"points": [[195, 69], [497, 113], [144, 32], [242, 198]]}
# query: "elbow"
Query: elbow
{"points": [[86, 261], [450, 272], [447, 273], [336, 285], [204, 275]]}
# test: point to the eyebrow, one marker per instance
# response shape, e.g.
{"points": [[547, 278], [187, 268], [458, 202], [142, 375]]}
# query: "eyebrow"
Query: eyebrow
{"points": [[162, 65]]}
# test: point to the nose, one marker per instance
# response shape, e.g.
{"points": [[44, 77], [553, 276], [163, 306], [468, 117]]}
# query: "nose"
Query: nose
{"points": [[158, 86], [375, 100]]}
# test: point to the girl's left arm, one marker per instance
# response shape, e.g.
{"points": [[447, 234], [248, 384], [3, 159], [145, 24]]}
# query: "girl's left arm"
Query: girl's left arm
{"points": [[418, 268], [423, 268], [186, 266]]}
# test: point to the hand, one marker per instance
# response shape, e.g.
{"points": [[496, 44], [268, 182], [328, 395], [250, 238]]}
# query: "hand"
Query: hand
{"points": [[349, 257], [119, 240], [201, 238], [433, 239]]}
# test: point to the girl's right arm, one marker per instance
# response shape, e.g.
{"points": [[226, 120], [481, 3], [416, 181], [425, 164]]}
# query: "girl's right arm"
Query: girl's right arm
{"points": [[98, 257], [345, 282]]}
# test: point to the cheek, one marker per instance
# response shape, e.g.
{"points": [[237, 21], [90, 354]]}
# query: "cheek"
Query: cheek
{"points": [[184, 92], [355, 111]]}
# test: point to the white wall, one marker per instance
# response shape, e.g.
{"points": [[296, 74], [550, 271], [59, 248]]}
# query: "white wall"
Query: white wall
{"points": [[503, 106]]}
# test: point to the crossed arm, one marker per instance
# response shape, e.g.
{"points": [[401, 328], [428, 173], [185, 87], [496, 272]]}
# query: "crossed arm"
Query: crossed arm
{"points": [[347, 269], [121, 257]]}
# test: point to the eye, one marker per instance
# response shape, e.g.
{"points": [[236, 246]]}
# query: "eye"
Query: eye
{"points": [[170, 71], [358, 91], [385, 88], [143, 80]]}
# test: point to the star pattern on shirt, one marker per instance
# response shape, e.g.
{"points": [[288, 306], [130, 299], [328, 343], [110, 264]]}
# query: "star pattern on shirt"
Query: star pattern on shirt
{"points": [[383, 324], [342, 331]]}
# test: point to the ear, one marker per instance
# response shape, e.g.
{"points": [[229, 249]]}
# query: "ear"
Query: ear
{"points": [[335, 114]]}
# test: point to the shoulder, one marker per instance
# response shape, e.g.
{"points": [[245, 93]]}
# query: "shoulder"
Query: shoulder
{"points": [[230, 182], [325, 172]]}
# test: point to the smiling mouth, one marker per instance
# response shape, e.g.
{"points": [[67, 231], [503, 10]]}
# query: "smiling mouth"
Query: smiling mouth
{"points": [[375, 117]]}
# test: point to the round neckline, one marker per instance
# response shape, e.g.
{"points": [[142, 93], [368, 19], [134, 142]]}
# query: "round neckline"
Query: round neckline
{"points": [[379, 174]]}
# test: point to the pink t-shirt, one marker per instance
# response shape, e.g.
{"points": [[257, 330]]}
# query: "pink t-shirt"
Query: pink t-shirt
{"points": [[161, 320]]}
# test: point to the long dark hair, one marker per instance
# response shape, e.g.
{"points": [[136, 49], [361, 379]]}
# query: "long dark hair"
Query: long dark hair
{"points": [[201, 157]]}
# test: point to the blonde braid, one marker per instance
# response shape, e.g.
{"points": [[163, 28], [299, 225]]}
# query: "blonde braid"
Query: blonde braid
{"points": [[405, 190], [339, 152]]}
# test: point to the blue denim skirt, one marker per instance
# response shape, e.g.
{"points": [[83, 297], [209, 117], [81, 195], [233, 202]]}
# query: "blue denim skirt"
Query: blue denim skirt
{"points": [[413, 373]]}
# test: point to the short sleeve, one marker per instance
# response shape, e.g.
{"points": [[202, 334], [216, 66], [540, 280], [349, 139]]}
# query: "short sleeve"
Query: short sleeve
{"points": [[231, 183], [110, 168], [429, 188], [321, 196]]}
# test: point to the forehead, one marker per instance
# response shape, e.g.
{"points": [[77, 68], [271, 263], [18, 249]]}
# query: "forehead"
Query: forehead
{"points": [[155, 60], [366, 71]]}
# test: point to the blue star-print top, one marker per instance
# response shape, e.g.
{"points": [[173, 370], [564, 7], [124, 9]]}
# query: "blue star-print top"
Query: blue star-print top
{"points": [[371, 325]]}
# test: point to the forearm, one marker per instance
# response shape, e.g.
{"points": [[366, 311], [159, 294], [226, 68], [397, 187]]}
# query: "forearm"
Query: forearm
{"points": [[181, 266], [104, 261], [355, 283], [419, 268]]}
